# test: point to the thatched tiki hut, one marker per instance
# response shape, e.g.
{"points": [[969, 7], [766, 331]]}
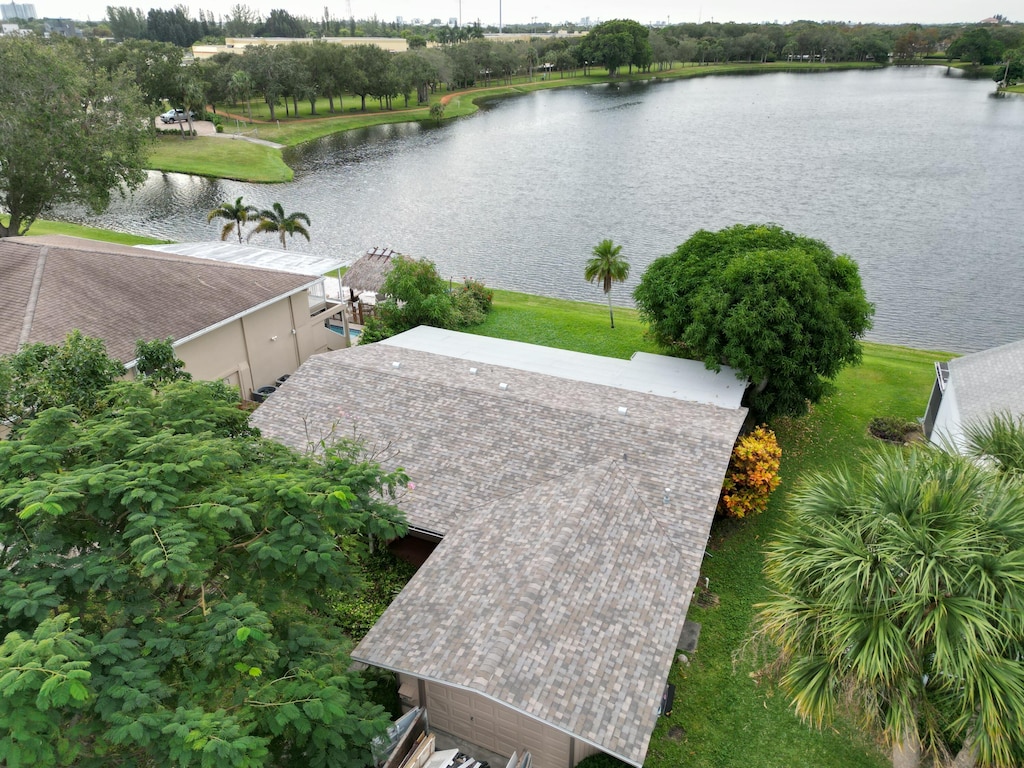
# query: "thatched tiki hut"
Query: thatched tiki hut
{"points": [[365, 279]]}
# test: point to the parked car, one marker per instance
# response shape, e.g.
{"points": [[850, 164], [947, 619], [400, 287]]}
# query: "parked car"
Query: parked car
{"points": [[177, 116]]}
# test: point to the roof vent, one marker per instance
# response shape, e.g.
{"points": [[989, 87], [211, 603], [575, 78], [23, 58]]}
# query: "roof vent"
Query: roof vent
{"points": [[623, 410], [666, 498], [473, 371], [396, 364], [503, 386]]}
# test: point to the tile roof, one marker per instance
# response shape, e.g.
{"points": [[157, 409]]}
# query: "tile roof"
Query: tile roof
{"points": [[989, 382], [566, 570], [53, 285]]}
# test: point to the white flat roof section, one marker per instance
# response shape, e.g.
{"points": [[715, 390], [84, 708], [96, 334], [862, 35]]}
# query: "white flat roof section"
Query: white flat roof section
{"points": [[658, 375], [252, 256]]}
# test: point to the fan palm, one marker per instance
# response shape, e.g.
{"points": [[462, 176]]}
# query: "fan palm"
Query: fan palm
{"points": [[605, 268], [274, 219], [236, 215], [900, 589]]}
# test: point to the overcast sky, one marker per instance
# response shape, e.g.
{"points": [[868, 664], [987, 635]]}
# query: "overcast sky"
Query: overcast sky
{"points": [[557, 11]]}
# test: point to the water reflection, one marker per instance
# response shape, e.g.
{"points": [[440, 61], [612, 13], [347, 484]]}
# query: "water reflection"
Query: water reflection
{"points": [[907, 170]]}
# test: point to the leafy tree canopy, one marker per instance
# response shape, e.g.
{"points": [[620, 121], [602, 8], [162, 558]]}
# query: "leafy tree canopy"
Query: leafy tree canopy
{"points": [[898, 590], [70, 133], [417, 295], [42, 376], [618, 43], [781, 308], [166, 578]]}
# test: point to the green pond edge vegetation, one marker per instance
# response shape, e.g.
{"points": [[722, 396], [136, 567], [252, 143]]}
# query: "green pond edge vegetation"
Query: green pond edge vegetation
{"points": [[726, 714]]}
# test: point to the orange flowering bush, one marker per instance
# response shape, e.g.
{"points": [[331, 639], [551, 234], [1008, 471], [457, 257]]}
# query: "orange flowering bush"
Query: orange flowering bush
{"points": [[753, 474]]}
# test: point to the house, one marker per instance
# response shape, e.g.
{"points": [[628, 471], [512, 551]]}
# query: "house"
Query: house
{"points": [[243, 324], [973, 388], [573, 497]]}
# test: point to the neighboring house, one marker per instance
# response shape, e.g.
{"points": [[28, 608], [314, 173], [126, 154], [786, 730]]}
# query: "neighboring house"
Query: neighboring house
{"points": [[574, 495], [973, 388], [242, 324]]}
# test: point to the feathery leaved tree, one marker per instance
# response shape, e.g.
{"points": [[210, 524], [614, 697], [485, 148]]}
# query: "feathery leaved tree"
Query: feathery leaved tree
{"points": [[168, 576], [236, 215], [274, 219], [898, 589], [605, 268]]}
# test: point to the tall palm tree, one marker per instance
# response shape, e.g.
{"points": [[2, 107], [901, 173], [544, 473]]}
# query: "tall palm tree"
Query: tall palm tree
{"points": [[236, 214], [897, 589], [606, 267], [275, 220]]}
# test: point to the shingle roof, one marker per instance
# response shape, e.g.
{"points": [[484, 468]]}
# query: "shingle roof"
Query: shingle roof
{"points": [[566, 570], [120, 294], [564, 602], [989, 382]]}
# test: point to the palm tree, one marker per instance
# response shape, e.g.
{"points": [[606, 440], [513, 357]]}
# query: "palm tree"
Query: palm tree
{"points": [[897, 590], [606, 267], [236, 214], [275, 220]]}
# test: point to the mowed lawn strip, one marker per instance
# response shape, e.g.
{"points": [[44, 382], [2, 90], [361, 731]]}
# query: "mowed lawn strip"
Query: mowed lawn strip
{"points": [[219, 157]]}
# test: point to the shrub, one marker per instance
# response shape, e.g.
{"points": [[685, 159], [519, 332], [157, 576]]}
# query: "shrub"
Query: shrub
{"points": [[601, 760], [891, 428], [753, 474], [384, 576], [480, 293]]}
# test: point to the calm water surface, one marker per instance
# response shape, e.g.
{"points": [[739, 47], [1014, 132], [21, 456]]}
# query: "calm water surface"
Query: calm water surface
{"points": [[916, 175]]}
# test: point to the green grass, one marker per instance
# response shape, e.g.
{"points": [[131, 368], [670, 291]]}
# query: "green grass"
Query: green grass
{"points": [[43, 227], [219, 158], [729, 717], [578, 326]]}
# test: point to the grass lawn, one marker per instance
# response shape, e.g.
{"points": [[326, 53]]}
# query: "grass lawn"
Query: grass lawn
{"points": [[219, 158], [43, 227]]}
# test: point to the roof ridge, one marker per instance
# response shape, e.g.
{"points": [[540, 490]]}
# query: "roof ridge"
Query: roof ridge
{"points": [[33, 297]]}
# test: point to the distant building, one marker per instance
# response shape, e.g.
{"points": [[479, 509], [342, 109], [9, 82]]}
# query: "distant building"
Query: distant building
{"points": [[23, 11], [453, 21], [62, 27], [13, 30], [399, 20], [239, 44]]}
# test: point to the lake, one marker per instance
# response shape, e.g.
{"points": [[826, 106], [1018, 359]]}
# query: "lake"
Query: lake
{"points": [[917, 175]]}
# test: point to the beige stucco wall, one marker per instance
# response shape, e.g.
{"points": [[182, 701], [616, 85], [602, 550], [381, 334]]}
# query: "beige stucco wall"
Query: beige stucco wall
{"points": [[254, 350]]}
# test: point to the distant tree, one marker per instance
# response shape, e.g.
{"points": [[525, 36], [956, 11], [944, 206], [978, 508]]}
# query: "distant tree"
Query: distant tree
{"points": [[618, 43], [437, 111], [274, 219], [173, 26], [976, 46], [236, 216], [126, 23], [897, 591], [41, 376], [241, 22], [606, 268], [782, 309], [167, 578], [280, 23], [94, 137]]}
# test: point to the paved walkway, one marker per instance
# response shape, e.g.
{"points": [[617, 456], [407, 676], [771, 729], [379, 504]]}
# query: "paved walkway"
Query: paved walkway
{"points": [[207, 128]]}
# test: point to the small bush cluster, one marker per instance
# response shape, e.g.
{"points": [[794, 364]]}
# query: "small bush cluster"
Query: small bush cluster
{"points": [[891, 428], [384, 576], [753, 474], [481, 295]]}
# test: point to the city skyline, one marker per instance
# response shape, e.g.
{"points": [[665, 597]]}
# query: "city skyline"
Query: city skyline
{"points": [[488, 12]]}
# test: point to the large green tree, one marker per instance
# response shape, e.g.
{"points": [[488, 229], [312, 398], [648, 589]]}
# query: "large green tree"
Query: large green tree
{"points": [[167, 586], [69, 134], [606, 267], [898, 590], [618, 43], [783, 309]]}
